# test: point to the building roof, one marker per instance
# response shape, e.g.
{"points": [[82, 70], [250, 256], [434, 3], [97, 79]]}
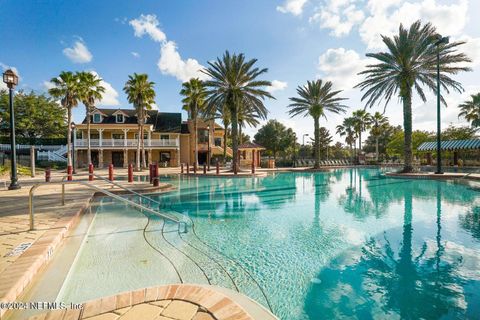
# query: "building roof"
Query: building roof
{"points": [[161, 121], [449, 145], [250, 145]]}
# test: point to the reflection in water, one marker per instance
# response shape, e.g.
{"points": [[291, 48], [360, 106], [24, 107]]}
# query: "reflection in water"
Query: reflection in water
{"points": [[422, 281], [471, 222]]}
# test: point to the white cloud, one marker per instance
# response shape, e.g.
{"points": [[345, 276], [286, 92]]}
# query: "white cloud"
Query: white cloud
{"points": [[154, 106], [471, 48], [79, 53], [294, 7], [170, 61], [47, 85], [277, 86], [385, 16], [339, 16], [148, 24], [135, 54], [341, 66]]}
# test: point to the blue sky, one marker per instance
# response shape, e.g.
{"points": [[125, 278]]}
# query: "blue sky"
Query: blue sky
{"points": [[297, 40]]}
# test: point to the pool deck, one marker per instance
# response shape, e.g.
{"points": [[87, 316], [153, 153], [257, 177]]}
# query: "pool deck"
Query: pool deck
{"points": [[24, 252], [432, 175], [176, 302]]}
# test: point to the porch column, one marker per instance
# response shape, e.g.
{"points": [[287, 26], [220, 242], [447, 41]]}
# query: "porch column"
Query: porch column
{"points": [[149, 139], [178, 157], [149, 157], [455, 158], [125, 131], [100, 158], [100, 136], [125, 158]]}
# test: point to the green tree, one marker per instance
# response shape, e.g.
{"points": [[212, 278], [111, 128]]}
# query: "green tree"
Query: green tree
{"points": [[234, 84], [275, 137], [459, 133], [36, 116], [195, 93], [410, 64], [470, 110], [315, 99], [90, 90], [362, 121], [141, 94], [378, 125], [325, 139], [65, 87], [386, 135], [347, 130], [395, 147]]}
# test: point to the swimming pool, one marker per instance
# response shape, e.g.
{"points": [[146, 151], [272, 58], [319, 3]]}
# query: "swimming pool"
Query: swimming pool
{"points": [[348, 243]]}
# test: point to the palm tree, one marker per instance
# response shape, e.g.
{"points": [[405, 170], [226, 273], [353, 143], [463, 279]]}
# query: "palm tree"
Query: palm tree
{"points": [[378, 125], [471, 110], [409, 64], [66, 89], [234, 84], [362, 121], [195, 93], [90, 89], [347, 129], [315, 99], [141, 94]]}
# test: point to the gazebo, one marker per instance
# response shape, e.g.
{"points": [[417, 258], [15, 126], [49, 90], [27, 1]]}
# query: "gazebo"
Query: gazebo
{"points": [[250, 153], [449, 145]]}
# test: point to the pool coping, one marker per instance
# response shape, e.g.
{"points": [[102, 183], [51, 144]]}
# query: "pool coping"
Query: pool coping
{"points": [[16, 277], [433, 176]]}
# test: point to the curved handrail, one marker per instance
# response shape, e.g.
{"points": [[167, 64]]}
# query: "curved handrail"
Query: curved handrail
{"points": [[98, 189]]}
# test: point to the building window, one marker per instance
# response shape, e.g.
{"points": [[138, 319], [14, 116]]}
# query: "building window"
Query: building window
{"points": [[165, 157], [94, 136], [202, 136], [164, 137], [145, 136], [97, 118], [118, 136], [120, 118], [218, 142]]}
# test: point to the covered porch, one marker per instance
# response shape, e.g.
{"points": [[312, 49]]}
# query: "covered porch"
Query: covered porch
{"points": [[454, 152], [250, 153], [121, 158]]}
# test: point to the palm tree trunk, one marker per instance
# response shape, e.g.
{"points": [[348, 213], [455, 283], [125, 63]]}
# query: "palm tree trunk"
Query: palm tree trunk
{"points": [[144, 161], [137, 160], [234, 116], [89, 152], [376, 148], [240, 133], [69, 136], [317, 142], [225, 136], [407, 127], [195, 142]]}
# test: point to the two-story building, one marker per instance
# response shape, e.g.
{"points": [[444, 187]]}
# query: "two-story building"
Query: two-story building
{"points": [[167, 140]]}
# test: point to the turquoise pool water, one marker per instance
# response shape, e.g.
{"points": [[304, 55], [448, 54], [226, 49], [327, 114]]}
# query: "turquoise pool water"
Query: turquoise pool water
{"points": [[346, 244]]}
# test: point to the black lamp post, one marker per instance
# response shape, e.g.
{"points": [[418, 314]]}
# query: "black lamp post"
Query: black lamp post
{"points": [[11, 79], [208, 147], [303, 144], [72, 126], [440, 41]]}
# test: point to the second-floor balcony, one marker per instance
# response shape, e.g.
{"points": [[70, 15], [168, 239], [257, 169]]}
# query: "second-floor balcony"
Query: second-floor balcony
{"points": [[128, 143]]}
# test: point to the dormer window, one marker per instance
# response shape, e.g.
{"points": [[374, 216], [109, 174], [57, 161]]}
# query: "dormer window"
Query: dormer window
{"points": [[120, 118], [97, 118]]}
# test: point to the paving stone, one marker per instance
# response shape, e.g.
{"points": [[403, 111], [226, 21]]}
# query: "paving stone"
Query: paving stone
{"points": [[122, 310], [203, 316], [142, 311], [180, 310], [105, 316], [161, 303]]}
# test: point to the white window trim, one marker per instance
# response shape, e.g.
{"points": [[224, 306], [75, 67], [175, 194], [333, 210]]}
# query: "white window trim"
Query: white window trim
{"points": [[93, 120], [123, 118]]}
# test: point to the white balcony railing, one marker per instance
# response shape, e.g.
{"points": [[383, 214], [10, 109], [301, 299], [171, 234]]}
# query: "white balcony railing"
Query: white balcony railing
{"points": [[127, 143]]}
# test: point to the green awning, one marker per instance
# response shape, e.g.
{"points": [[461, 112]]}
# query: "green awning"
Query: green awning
{"points": [[451, 145]]}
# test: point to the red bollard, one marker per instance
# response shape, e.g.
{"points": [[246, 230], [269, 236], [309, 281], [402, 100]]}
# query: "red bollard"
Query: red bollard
{"points": [[188, 168], [69, 173], [48, 174], [150, 173], [110, 172], [90, 172], [155, 169], [218, 168], [181, 168], [130, 172], [195, 168], [204, 169], [253, 167]]}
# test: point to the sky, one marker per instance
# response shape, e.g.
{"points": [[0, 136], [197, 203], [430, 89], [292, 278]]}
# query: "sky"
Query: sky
{"points": [[297, 40]]}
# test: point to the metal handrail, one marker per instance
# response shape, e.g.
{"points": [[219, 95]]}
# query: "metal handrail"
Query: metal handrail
{"points": [[108, 193]]}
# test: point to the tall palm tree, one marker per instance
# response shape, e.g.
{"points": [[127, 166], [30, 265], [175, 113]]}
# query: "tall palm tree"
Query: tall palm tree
{"points": [[90, 90], [362, 121], [409, 64], [315, 99], [195, 94], [67, 90], [470, 110], [378, 125], [234, 83], [141, 94], [347, 129]]}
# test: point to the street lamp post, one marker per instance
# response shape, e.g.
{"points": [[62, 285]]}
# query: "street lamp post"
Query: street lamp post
{"points": [[72, 126], [440, 40], [303, 144], [208, 148], [11, 80]]}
